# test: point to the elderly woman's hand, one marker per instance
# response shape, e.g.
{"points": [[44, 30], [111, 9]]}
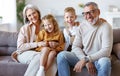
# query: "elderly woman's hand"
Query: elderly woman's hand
{"points": [[14, 56], [42, 43]]}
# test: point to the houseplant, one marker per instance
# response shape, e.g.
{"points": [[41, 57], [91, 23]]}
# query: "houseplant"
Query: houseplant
{"points": [[20, 6]]}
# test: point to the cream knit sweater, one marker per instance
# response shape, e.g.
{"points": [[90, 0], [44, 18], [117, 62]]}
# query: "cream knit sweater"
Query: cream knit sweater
{"points": [[93, 41], [26, 38]]}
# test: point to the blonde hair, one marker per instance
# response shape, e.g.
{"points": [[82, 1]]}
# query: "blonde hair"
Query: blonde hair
{"points": [[52, 19], [30, 6], [70, 9]]}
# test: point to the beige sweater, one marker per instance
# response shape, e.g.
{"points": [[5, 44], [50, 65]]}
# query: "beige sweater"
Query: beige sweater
{"points": [[26, 38], [93, 41]]}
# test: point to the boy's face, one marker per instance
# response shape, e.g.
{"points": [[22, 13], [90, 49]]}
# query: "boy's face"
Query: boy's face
{"points": [[48, 25], [69, 17]]}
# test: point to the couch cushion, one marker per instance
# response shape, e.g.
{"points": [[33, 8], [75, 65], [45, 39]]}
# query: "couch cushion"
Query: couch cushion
{"points": [[10, 68], [8, 42]]}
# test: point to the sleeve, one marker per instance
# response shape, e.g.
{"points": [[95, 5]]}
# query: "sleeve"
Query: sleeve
{"points": [[23, 43], [107, 42], [77, 45], [61, 45]]}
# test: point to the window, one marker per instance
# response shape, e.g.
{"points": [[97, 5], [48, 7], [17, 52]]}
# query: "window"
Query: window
{"points": [[113, 18], [8, 12]]}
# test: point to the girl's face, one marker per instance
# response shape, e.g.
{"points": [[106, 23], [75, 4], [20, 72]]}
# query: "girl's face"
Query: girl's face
{"points": [[32, 15], [69, 17], [48, 25]]}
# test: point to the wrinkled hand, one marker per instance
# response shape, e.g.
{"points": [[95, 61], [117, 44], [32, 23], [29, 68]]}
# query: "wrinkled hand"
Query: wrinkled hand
{"points": [[14, 56], [53, 44], [42, 43], [91, 68], [78, 67]]}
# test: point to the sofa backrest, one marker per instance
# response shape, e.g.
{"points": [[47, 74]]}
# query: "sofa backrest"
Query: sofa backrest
{"points": [[116, 35], [8, 42]]}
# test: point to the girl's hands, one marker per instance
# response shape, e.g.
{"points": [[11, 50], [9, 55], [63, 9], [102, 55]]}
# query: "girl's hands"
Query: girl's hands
{"points": [[53, 44]]}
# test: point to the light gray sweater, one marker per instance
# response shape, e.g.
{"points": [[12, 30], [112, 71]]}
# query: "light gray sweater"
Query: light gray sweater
{"points": [[93, 41]]}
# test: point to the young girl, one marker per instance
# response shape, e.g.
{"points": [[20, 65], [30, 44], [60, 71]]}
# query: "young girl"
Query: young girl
{"points": [[53, 41], [70, 26]]}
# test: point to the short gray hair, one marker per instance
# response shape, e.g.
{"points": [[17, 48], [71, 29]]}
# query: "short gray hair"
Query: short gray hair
{"points": [[91, 3], [29, 6]]}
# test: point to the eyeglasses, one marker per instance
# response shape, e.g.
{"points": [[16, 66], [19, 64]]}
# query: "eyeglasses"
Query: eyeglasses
{"points": [[91, 12]]}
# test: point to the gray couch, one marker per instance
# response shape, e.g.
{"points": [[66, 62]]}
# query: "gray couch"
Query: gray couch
{"points": [[10, 68], [7, 45]]}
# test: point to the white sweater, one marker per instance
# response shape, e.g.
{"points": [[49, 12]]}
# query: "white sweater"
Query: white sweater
{"points": [[93, 41], [67, 36]]}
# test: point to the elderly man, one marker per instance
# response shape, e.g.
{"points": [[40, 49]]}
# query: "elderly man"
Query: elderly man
{"points": [[91, 47]]}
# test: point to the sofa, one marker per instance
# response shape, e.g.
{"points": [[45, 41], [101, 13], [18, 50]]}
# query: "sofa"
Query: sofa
{"points": [[8, 67], [7, 45]]}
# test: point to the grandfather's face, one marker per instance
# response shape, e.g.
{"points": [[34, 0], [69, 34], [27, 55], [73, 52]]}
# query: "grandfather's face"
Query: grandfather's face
{"points": [[91, 14]]}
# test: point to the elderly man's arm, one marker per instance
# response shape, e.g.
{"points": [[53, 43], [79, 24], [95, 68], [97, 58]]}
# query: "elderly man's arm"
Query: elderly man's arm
{"points": [[77, 45]]}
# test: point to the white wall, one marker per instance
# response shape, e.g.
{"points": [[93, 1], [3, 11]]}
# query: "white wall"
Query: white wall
{"points": [[57, 6]]}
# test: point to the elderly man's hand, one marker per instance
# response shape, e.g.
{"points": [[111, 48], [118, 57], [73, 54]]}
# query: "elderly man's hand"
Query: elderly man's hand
{"points": [[78, 67], [91, 68]]}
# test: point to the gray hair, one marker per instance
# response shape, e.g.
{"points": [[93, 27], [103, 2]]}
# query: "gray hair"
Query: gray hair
{"points": [[29, 6], [91, 3]]}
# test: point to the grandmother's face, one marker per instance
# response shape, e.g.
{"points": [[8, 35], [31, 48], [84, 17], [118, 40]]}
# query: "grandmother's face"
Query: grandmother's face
{"points": [[32, 15]]}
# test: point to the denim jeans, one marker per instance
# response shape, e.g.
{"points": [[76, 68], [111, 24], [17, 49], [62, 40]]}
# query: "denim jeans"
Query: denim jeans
{"points": [[65, 60]]}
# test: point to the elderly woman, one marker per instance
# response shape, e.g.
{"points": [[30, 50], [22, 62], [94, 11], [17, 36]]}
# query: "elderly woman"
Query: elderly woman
{"points": [[26, 42]]}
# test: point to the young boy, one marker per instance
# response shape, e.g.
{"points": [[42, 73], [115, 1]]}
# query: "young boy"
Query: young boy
{"points": [[70, 26]]}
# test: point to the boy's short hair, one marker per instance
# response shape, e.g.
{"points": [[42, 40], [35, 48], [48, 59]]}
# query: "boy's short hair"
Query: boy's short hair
{"points": [[69, 9]]}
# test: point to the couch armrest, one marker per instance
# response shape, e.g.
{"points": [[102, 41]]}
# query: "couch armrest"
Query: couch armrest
{"points": [[8, 42]]}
